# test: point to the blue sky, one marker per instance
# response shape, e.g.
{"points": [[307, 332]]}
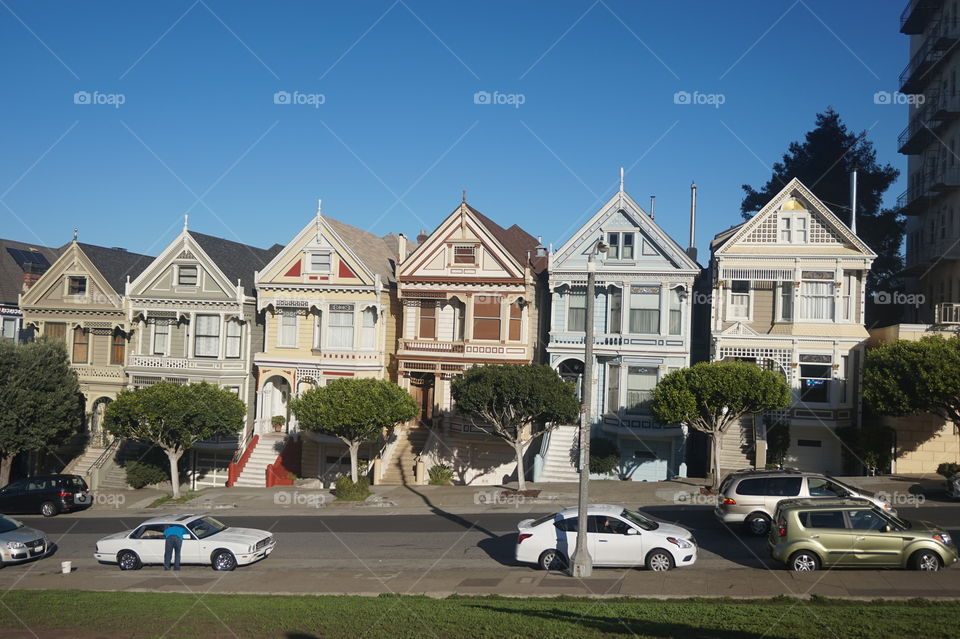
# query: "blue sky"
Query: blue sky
{"points": [[399, 133]]}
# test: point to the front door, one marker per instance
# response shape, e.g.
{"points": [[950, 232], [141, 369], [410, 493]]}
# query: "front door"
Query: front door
{"points": [[421, 388], [873, 545], [828, 528]]}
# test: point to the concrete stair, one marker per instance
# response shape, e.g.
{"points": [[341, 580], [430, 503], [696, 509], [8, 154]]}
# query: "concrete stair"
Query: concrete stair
{"points": [[557, 463], [81, 464], [254, 474], [401, 469], [737, 449]]}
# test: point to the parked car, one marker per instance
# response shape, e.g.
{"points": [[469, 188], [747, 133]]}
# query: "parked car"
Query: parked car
{"points": [[616, 536], [811, 533], [750, 497], [211, 543], [48, 495], [20, 543], [953, 486]]}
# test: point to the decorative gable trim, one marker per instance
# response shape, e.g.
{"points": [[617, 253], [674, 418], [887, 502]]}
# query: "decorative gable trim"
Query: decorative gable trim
{"points": [[739, 329]]}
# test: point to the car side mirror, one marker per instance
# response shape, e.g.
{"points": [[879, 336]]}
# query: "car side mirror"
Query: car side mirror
{"points": [[187, 537], [632, 531], [886, 528]]}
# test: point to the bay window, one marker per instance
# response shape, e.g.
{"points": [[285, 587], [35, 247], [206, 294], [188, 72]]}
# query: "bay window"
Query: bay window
{"points": [[161, 337], [577, 311], [817, 300], [613, 389], [616, 310], [207, 341], [340, 328], [428, 320], [287, 331], [233, 339], [516, 322], [640, 383], [645, 309], [486, 317], [785, 296], [676, 312], [368, 333], [739, 300], [118, 349], [81, 344]]}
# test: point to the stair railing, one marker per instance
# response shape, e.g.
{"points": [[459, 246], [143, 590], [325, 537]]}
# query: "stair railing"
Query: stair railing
{"points": [[383, 458], [236, 467]]}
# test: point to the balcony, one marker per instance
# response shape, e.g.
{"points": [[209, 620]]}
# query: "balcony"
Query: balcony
{"points": [[947, 313], [917, 14], [158, 362], [944, 179], [915, 199], [100, 373], [430, 346], [918, 134], [558, 338], [943, 108], [938, 46]]}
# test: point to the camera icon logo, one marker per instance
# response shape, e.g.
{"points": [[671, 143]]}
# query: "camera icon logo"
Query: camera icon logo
{"points": [[481, 97], [282, 498], [681, 97], [881, 297], [81, 97], [882, 97], [281, 97]]}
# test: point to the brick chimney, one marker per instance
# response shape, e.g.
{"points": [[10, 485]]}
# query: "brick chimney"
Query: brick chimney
{"points": [[29, 279], [422, 237]]}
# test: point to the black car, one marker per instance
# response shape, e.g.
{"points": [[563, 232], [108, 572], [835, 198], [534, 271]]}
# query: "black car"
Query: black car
{"points": [[48, 495]]}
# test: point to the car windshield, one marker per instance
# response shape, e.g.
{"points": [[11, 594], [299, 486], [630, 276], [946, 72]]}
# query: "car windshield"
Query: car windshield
{"points": [[9, 523], [639, 519], [850, 489], [205, 527], [903, 523]]}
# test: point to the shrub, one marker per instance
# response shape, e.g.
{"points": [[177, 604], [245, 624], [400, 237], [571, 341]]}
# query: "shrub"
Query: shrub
{"points": [[870, 446], [778, 443], [440, 475], [604, 456], [145, 473], [346, 490], [948, 469]]}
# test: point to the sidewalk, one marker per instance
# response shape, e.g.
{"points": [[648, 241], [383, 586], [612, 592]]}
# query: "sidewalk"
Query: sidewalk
{"points": [[295, 500]]}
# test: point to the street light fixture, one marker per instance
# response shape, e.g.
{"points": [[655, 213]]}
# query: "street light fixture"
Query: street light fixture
{"points": [[581, 564]]}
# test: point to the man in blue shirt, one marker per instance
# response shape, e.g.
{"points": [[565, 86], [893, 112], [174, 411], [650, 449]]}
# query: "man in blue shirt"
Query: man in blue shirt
{"points": [[174, 535]]}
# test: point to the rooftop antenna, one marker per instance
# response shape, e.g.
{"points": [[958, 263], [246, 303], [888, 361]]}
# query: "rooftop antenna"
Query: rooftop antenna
{"points": [[653, 198], [691, 248], [464, 197], [853, 201], [621, 189], [74, 234], [186, 219]]}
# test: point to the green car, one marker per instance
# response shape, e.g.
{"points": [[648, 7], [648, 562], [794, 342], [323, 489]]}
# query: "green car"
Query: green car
{"points": [[810, 533]]}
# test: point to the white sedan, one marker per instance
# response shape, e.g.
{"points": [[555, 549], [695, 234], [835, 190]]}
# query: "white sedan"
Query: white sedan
{"points": [[616, 537], [210, 543]]}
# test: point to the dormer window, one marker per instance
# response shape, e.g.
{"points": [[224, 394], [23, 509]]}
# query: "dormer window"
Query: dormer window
{"points": [[464, 254], [319, 262], [620, 246], [76, 285], [187, 275]]}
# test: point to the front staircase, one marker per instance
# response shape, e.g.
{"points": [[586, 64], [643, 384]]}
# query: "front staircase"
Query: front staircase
{"points": [[401, 469], [558, 462], [254, 473], [737, 448]]}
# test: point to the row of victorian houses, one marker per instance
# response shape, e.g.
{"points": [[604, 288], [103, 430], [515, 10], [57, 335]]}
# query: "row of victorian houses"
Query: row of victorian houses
{"points": [[784, 290]]}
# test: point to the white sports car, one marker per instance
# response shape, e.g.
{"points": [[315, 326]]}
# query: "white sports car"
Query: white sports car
{"points": [[210, 543], [616, 536]]}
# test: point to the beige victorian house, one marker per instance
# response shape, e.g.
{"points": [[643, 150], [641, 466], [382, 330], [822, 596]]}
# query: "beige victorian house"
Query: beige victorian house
{"points": [[788, 294]]}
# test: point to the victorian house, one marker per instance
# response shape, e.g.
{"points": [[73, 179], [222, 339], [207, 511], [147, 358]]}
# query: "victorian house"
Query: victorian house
{"points": [[194, 309], [788, 294], [642, 319], [328, 304], [471, 294], [21, 265], [79, 301]]}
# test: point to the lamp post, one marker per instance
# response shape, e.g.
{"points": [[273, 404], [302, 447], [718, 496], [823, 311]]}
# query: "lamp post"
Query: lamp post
{"points": [[581, 565]]}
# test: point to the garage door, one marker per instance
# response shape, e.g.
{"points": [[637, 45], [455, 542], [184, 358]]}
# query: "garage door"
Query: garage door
{"points": [[814, 449], [647, 460]]}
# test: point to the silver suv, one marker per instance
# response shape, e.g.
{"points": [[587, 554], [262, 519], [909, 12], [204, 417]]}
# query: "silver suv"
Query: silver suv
{"points": [[750, 497]]}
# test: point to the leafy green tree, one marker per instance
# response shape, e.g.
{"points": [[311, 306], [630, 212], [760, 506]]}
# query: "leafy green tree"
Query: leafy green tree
{"points": [[823, 162], [355, 410], [504, 400], [174, 418], [40, 399], [711, 396]]}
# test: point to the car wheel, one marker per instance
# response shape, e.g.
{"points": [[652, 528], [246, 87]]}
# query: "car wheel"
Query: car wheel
{"points": [[803, 561], [128, 560], [223, 560], [659, 561], [758, 524], [552, 560], [926, 560], [48, 509]]}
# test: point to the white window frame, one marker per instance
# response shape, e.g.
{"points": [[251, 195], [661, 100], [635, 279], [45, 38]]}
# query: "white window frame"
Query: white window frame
{"points": [[801, 314], [285, 312], [332, 313], [780, 293], [793, 227], [5, 328], [313, 254], [318, 331], [731, 317], [153, 338], [368, 332], [617, 248], [66, 284], [577, 294], [196, 272], [230, 339], [475, 249], [197, 336]]}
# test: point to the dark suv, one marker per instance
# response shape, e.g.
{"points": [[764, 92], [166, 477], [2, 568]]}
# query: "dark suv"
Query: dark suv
{"points": [[48, 495]]}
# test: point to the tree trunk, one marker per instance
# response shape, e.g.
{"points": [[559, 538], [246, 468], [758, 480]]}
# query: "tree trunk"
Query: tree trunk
{"points": [[521, 479], [354, 450], [717, 441], [6, 463], [174, 458]]}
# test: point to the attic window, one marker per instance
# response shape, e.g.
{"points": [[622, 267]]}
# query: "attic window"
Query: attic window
{"points": [[464, 254], [320, 262], [187, 276], [76, 285], [620, 246]]}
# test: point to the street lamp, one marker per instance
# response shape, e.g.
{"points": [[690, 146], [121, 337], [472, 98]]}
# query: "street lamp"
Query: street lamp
{"points": [[581, 565]]}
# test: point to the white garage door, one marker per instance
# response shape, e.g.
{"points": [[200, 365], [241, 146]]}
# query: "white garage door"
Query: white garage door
{"points": [[647, 460], [814, 449]]}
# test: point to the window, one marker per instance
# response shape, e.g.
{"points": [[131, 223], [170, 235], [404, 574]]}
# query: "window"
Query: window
{"points": [[81, 344], [815, 383], [187, 276], [816, 300], [613, 389], [464, 254], [866, 520], [486, 317], [320, 262], [233, 339], [161, 337], [739, 308], [676, 312], [785, 235], [607, 525], [616, 310], [824, 488], [516, 322], [645, 309], [341, 325], [620, 246], [569, 524], [800, 230], [577, 311], [626, 246], [207, 342], [783, 486], [118, 348], [428, 320], [793, 229], [640, 383], [9, 330], [752, 487], [368, 334], [287, 335], [613, 246], [822, 519], [56, 331], [786, 300], [848, 292], [317, 335], [76, 285]]}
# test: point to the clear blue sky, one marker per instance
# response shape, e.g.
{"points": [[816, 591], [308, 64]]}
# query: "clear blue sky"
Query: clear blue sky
{"points": [[399, 134]]}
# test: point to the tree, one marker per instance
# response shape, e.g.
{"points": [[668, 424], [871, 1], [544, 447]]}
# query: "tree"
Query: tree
{"points": [[355, 410], [41, 399], [823, 162], [504, 400], [906, 378], [711, 396], [175, 417]]}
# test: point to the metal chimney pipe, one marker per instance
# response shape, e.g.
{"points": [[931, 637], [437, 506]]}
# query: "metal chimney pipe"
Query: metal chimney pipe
{"points": [[853, 201], [653, 199], [691, 248]]}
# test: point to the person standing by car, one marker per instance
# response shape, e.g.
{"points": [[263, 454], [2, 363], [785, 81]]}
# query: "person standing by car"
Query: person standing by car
{"points": [[174, 540]]}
